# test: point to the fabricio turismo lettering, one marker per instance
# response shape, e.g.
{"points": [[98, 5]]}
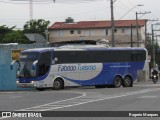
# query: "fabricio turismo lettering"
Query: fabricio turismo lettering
{"points": [[77, 67]]}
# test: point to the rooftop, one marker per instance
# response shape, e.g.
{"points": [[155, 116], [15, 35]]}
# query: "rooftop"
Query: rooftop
{"points": [[96, 24]]}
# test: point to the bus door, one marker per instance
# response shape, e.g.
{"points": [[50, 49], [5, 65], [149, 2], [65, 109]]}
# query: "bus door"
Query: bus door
{"points": [[44, 64]]}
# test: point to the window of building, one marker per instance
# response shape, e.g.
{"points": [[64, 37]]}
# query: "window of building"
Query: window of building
{"points": [[79, 31], [72, 32], [115, 30], [106, 31], [122, 30]]}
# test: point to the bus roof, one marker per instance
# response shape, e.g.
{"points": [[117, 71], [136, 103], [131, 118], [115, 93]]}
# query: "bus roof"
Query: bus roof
{"points": [[38, 49], [97, 47], [117, 48], [81, 48]]}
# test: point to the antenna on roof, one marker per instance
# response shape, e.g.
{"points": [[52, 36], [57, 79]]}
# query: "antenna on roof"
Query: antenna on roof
{"points": [[31, 9]]}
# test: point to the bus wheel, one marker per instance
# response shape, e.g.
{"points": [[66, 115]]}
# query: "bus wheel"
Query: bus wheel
{"points": [[58, 84], [117, 82], [127, 82]]}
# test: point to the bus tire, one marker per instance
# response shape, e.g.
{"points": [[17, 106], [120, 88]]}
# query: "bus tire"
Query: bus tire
{"points": [[58, 84], [117, 82], [127, 81]]}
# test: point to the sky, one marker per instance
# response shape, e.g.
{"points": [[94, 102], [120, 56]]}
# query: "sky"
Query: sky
{"points": [[17, 12]]}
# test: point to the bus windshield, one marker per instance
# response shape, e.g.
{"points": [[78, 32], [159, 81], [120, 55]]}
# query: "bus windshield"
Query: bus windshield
{"points": [[26, 62]]}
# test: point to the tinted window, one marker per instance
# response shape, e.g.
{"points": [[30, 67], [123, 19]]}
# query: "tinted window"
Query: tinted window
{"points": [[29, 56], [138, 55], [98, 56], [44, 63]]}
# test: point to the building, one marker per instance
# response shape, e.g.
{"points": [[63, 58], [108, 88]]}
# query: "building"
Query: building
{"points": [[94, 30]]}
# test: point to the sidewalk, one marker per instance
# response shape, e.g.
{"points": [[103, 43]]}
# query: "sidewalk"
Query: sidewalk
{"points": [[143, 81], [148, 83]]}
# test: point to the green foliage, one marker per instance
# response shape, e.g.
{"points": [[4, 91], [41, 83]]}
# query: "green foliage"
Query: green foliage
{"points": [[9, 35], [149, 48], [15, 37], [36, 26], [4, 30]]}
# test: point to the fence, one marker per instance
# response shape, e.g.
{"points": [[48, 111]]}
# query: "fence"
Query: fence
{"points": [[8, 76]]}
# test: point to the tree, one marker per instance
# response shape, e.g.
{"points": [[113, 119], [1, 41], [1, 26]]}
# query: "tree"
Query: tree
{"points": [[15, 37], [10, 35], [149, 48], [4, 30], [36, 26]]}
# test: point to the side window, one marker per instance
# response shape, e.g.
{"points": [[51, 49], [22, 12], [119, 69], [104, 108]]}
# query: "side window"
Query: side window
{"points": [[63, 57], [123, 30], [72, 32], [138, 56], [107, 32], [115, 30], [44, 63], [79, 31]]}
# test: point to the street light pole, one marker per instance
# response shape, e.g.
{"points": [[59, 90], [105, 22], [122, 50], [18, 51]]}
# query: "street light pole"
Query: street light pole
{"points": [[131, 10]]}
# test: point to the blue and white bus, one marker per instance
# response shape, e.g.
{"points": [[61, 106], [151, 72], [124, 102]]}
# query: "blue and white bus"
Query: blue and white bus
{"points": [[81, 66]]}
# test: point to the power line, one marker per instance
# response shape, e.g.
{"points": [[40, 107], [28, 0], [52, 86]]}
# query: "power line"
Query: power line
{"points": [[24, 2], [47, 1], [130, 11]]}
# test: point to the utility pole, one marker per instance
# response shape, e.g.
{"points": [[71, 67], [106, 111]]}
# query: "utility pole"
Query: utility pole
{"points": [[47, 35], [112, 23], [131, 35], [137, 25], [145, 40], [146, 33], [152, 20], [137, 29], [153, 50]]}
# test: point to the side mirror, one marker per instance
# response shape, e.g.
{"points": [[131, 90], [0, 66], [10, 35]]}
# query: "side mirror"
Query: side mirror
{"points": [[15, 61], [34, 65]]}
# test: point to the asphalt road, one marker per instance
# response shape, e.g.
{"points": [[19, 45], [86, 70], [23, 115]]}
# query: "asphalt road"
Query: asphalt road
{"points": [[140, 97]]}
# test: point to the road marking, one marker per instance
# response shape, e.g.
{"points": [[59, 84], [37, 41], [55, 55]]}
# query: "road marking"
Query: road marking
{"points": [[149, 96], [13, 97], [83, 99], [52, 105]]}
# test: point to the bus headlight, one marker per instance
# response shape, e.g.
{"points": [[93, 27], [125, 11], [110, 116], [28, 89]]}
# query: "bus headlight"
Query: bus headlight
{"points": [[32, 82], [17, 81]]}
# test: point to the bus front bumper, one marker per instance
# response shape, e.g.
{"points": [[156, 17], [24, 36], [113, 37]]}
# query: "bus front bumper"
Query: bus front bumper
{"points": [[32, 84]]}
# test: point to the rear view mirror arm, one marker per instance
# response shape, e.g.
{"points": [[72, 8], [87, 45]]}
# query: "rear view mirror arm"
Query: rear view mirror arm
{"points": [[13, 62]]}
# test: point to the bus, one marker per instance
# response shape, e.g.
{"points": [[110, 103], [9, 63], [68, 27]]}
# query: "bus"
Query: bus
{"points": [[79, 66]]}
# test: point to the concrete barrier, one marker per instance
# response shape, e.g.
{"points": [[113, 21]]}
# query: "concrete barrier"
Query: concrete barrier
{"points": [[8, 76], [142, 76]]}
